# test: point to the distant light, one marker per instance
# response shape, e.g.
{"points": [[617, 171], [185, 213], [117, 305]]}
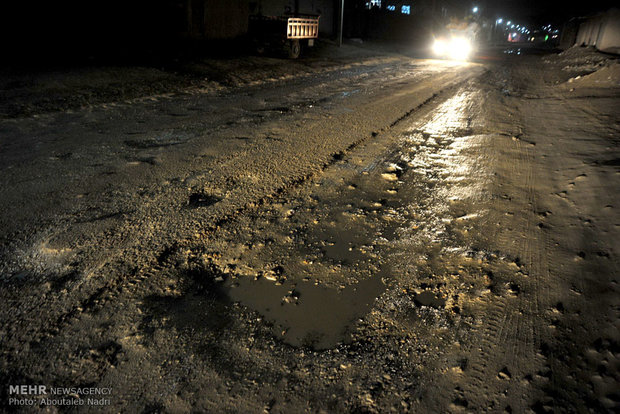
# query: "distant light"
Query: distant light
{"points": [[500, 20], [546, 37], [508, 23], [391, 7], [456, 49], [475, 9], [512, 26], [405, 10]]}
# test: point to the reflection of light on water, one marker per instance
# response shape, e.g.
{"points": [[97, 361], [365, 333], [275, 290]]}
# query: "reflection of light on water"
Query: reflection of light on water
{"points": [[450, 174], [449, 116], [440, 65], [446, 147]]}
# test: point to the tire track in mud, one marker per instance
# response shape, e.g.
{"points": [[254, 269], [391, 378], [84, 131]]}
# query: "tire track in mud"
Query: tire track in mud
{"points": [[489, 353], [525, 334], [577, 306], [518, 333], [106, 288], [163, 261], [535, 248], [395, 157], [518, 342], [522, 330], [500, 312], [501, 347]]}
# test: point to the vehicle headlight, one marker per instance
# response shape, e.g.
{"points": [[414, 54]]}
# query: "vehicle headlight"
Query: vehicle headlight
{"points": [[460, 49], [439, 47]]}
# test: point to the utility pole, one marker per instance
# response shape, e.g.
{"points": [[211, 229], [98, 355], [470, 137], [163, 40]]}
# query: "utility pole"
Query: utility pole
{"points": [[340, 23]]}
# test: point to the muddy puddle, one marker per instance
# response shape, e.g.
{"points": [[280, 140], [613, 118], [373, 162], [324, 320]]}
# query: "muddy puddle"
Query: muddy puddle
{"points": [[306, 314], [333, 241]]}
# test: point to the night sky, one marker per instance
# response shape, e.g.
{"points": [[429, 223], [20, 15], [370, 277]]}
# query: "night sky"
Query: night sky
{"points": [[39, 30], [541, 12]]}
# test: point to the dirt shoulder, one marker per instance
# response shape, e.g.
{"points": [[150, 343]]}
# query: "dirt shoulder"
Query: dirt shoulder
{"points": [[28, 91]]}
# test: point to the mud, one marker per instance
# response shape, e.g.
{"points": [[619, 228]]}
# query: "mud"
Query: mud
{"points": [[444, 239], [304, 314]]}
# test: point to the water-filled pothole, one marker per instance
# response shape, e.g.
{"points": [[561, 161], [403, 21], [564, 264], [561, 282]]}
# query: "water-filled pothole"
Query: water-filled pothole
{"points": [[306, 314]]}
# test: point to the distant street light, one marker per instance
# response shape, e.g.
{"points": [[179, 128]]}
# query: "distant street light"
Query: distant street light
{"points": [[497, 33], [475, 9]]}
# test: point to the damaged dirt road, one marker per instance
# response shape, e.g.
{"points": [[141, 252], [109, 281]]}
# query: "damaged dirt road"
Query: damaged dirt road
{"points": [[395, 235]]}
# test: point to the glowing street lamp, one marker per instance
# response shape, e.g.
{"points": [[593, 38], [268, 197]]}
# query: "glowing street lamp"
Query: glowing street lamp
{"points": [[499, 21], [475, 9]]}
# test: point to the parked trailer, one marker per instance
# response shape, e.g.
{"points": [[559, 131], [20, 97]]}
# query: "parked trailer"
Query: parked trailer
{"points": [[289, 31]]}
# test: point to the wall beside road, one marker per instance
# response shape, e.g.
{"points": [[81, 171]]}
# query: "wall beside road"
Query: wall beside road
{"points": [[601, 31]]}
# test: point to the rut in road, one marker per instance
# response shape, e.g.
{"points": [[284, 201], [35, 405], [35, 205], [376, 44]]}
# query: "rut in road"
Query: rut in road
{"points": [[118, 267], [460, 259], [401, 215]]}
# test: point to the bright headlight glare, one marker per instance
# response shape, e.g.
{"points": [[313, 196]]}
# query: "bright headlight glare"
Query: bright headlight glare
{"points": [[439, 47], [459, 49]]}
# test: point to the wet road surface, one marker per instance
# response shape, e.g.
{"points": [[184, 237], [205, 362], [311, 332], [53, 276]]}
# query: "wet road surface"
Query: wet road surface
{"points": [[412, 236]]}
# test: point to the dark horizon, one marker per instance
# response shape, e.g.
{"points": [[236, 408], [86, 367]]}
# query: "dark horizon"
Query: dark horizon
{"points": [[43, 31], [538, 13]]}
